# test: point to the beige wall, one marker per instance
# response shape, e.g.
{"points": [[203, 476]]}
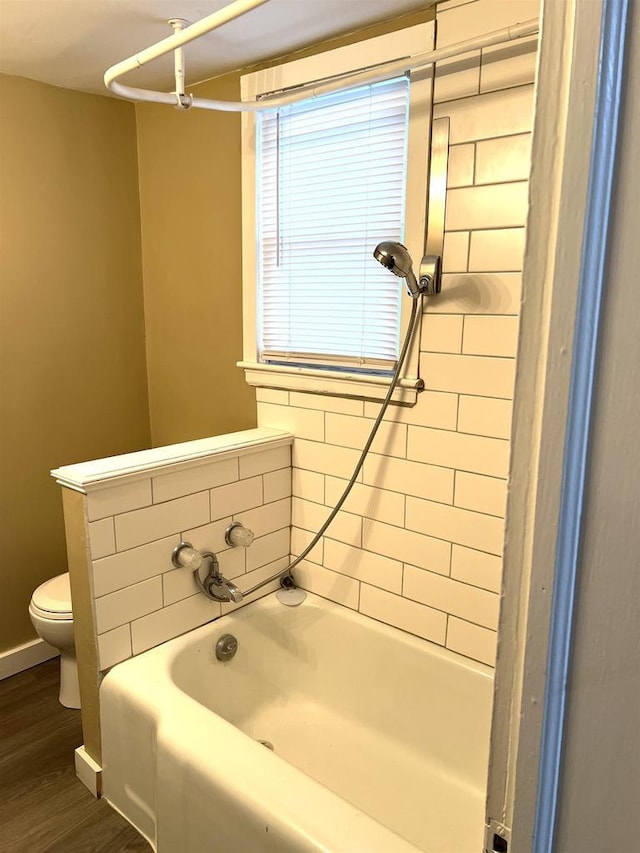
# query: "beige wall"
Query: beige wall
{"points": [[72, 368], [191, 217]]}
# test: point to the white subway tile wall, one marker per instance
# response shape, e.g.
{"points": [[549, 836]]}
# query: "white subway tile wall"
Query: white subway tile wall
{"points": [[141, 600], [418, 544], [116, 499], [114, 646], [102, 538], [458, 77], [461, 165], [168, 486]]}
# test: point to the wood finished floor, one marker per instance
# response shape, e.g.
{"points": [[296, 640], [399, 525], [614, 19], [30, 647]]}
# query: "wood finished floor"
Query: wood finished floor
{"points": [[44, 808]]}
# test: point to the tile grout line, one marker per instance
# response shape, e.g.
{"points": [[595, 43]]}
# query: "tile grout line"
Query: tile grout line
{"points": [[416, 462]]}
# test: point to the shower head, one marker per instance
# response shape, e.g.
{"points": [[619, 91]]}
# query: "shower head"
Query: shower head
{"points": [[396, 258]]}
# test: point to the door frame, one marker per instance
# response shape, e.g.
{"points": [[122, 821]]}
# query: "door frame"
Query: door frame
{"points": [[578, 94]]}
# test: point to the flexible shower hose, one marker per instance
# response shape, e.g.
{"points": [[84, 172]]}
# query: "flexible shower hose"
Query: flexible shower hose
{"points": [[374, 429]]}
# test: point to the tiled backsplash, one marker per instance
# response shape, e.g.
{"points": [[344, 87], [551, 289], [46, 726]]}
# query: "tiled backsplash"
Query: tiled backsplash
{"points": [[134, 520], [419, 542]]}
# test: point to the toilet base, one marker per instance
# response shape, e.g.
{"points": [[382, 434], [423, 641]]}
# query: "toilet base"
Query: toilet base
{"points": [[69, 688]]}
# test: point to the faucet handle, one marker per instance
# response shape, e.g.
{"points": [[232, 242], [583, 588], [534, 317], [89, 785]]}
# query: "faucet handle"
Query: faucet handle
{"points": [[238, 534], [185, 556]]}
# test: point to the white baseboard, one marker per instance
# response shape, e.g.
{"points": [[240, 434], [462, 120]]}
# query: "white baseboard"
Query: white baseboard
{"points": [[88, 772], [25, 656]]}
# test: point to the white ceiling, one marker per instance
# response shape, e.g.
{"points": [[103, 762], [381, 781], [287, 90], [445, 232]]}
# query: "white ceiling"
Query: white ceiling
{"points": [[71, 43]]}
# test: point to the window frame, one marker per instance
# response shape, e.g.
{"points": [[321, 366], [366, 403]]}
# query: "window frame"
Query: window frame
{"points": [[343, 60]]}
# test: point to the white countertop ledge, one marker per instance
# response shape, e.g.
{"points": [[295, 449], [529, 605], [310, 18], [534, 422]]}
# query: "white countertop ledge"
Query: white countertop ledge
{"points": [[100, 473]]}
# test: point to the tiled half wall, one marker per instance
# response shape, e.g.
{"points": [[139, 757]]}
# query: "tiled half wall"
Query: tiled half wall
{"points": [[138, 507], [419, 543]]}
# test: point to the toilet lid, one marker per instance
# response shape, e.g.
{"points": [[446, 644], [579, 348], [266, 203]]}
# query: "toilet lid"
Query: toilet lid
{"points": [[54, 596]]}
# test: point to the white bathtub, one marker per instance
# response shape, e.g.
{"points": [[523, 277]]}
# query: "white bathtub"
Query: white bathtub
{"points": [[381, 739]]}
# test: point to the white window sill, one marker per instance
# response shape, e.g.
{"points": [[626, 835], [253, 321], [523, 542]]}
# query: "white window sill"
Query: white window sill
{"points": [[334, 383]]}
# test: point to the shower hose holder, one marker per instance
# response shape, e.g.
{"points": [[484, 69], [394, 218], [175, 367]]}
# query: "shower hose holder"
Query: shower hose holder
{"points": [[430, 275]]}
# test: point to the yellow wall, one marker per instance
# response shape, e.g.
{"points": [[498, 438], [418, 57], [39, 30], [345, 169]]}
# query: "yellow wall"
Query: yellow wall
{"points": [[191, 222], [72, 362]]}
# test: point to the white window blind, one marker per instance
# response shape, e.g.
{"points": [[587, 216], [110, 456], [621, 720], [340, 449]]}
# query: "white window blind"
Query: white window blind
{"points": [[331, 186]]}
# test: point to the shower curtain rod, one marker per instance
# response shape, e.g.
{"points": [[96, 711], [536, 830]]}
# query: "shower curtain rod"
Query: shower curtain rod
{"points": [[211, 22]]}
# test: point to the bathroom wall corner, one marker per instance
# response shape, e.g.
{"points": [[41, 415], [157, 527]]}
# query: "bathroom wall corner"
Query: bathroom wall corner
{"points": [[79, 561]]}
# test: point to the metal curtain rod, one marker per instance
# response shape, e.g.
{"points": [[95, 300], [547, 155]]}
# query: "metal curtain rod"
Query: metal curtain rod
{"points": [[366, 75]]}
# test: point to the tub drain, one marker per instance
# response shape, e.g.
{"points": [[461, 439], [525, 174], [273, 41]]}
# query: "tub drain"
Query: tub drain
{"points": [[226, 647], [266, 743]]}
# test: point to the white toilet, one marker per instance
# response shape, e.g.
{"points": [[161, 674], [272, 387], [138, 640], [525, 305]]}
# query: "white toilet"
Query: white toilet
{"points": [[52, 617]]}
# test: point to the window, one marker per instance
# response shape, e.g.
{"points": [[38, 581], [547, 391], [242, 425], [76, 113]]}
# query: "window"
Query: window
{"points": [[331, 184], [325, 180]]}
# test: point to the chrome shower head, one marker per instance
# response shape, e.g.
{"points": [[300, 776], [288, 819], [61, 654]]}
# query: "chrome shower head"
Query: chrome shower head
{"points": [[396, 258]]}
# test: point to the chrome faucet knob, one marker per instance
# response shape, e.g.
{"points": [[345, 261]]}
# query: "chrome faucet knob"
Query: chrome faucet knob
{"points": [[185, 556], [238, 534]]}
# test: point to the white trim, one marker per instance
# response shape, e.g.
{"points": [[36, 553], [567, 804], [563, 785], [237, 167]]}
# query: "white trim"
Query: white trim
{"points": [[88, 476], [88, 772], [20, 658], [309, 70], [335, 383], [595, 244], [563, 126], [300, 72]]}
